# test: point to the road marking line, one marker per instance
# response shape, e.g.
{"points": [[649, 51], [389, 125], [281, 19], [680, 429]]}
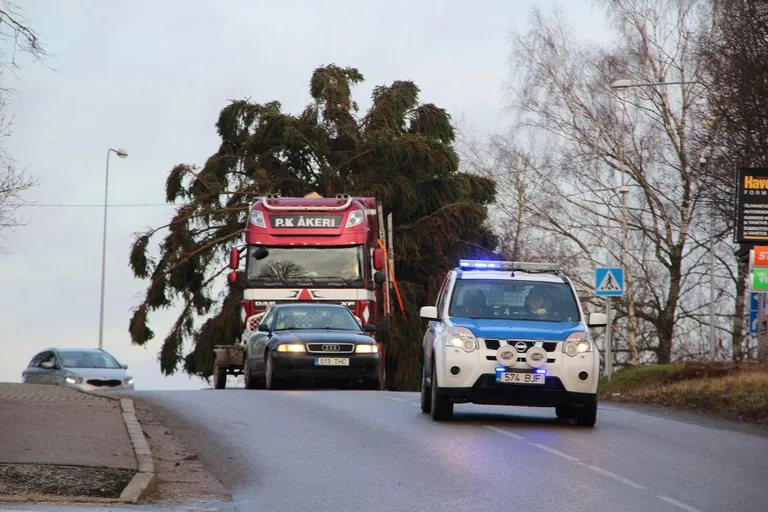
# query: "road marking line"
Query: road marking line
{"points": [[413, 404], [504, 432], [616, 477], [679, 504], [396, 399], [556, 452]]}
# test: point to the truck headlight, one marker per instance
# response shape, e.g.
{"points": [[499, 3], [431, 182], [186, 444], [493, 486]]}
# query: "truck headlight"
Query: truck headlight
{"points": [[577, 343], [355, 218], [257, 219], [367, 349], [291, 347], [461, 337]]}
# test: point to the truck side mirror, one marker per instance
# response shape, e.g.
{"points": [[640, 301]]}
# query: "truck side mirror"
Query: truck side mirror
{"points": [[232, 277], [234, 259], [379, 277], [378, 259]]}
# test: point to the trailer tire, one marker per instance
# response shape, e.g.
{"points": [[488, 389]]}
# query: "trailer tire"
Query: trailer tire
{"points": [[219, 377]]}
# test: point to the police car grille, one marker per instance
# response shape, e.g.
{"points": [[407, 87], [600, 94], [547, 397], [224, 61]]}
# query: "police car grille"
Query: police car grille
{"points": [[330, 347], [548, 346]]}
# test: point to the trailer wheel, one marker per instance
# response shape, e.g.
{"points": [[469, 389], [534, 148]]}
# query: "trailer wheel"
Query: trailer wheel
{"points": [[219, 377]]}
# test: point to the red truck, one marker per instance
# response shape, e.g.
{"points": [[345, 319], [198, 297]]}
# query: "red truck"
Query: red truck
{"points": [[315, 249]]}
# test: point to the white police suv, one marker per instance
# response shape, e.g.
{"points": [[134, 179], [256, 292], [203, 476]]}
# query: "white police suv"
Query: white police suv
{"points": [[509, 333]]}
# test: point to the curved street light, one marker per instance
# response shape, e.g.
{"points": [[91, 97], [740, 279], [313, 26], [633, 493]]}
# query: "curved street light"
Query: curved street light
{"points": [[122, 154]]}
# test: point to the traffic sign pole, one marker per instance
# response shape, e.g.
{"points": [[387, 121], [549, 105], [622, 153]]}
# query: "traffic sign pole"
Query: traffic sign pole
{"points": [[608, 340]]}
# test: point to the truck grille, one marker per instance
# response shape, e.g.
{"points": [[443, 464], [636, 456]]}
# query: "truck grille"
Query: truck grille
{"points": [[335, 348]]}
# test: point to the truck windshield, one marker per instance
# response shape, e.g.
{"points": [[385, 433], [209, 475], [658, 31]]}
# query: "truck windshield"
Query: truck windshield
{"points": [[513, 300], [331, 266]]}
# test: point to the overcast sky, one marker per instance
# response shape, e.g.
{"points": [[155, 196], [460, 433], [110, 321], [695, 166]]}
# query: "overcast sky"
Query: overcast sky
{"points": [[151, 77]]}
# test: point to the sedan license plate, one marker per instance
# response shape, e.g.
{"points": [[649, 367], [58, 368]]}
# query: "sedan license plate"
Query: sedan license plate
{"points": [[520, 378], [331, 361]]}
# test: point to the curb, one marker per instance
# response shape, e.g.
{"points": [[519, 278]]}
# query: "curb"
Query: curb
{"points": [[145, 479]]}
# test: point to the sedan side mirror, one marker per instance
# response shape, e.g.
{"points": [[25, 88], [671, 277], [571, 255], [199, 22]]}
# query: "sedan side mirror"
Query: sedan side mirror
{"points": [[597, 320], [369, 328], [263, 328], [125, 366]]}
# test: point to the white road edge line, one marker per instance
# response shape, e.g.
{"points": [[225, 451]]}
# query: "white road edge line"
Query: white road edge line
{"points": [[679, 504], [556, 452], [396, 399], [613, 475], [504, 432]]}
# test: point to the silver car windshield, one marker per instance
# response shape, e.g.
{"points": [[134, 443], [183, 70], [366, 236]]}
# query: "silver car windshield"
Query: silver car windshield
{"points": [[87, 359]]}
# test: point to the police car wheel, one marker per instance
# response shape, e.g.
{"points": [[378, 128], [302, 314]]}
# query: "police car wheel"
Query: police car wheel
{"points": [[441, 406], [587, 415], [564, 412], [426, 395]]}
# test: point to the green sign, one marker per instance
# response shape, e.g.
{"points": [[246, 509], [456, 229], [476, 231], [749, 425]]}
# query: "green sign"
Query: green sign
{"points": [[760, 279]]}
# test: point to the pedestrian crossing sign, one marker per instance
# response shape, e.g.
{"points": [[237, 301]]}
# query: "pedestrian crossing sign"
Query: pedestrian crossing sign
{"points": [[609, 282]]}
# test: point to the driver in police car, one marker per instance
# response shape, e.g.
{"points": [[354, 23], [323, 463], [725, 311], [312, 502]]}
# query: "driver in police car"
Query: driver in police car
{"points": [[537, 302]]}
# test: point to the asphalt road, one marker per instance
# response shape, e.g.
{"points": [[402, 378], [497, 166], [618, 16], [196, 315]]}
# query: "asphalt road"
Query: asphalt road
{"points": [[375, 451]]}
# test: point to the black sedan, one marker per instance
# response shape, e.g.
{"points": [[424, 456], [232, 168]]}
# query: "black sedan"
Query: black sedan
{"points": [[310, 342]]}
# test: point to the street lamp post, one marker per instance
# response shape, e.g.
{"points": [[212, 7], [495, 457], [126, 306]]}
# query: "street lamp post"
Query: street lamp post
{"points": [[625, 84], [122, 154]]}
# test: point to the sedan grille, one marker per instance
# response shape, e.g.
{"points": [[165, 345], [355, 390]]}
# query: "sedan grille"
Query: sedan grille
{"points": [[335, 348]]}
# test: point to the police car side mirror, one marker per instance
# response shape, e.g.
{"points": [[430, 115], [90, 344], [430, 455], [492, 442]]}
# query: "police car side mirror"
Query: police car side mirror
{"points": [[263, 328], [597, 320], [429, 313]]}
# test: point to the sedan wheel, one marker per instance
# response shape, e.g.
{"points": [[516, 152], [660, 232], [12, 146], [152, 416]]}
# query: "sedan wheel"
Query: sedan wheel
{"points": [[272, 381]]}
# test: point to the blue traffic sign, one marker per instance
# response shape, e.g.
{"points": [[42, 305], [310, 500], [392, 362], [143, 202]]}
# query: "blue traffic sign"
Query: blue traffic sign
{"points": [[753, 322], [609, 282], [754, 301]]}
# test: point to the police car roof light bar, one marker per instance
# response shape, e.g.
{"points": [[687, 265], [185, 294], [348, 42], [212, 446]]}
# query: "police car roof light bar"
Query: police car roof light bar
{"points": [[525, 266]]}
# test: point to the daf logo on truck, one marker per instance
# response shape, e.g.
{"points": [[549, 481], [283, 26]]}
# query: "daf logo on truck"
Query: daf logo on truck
{"points": [[305, 221]]}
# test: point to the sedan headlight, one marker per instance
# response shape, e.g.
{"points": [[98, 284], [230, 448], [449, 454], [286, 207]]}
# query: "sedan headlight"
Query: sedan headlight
{"points": [[129, 381], [463, 338], [366, 349], [291, 347], [257, 219], [355, 218], [577, 343], [73, 379]]}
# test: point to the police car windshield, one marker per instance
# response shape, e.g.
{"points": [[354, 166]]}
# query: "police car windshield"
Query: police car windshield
{"points": [[513, 300]]}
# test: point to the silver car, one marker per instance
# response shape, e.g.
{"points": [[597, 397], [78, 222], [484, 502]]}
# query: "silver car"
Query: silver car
{"points": [[88, 369]]}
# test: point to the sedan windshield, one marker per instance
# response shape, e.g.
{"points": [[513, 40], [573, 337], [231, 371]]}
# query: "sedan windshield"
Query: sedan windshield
{"points": [[335, 266], [513, 300], [315, 317], [87, 359]]}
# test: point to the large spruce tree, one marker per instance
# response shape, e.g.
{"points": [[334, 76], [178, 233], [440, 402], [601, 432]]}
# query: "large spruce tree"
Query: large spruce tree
{"points": [[401, 152]]}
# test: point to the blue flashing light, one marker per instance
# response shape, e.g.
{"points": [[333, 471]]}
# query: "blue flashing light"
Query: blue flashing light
{"points": [[481, 264], [500, 369], [541, 370]]}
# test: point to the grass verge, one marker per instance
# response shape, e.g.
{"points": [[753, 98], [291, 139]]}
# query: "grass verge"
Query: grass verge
{"points": [[731, 391]]}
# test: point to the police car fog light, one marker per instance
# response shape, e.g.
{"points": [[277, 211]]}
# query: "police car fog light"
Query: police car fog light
{"points": [[455, 370], [583, 375], [543, 371]]}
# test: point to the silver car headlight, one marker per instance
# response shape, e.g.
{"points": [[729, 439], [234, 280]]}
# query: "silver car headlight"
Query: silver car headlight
{"points": [[73, 379], [463, 338], [129, 381], [577, 343]]}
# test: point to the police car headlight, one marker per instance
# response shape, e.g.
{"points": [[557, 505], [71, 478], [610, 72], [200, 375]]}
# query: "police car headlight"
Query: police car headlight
{"points": [[461, 337], [257, 219], [577, 343], [355, 218]]}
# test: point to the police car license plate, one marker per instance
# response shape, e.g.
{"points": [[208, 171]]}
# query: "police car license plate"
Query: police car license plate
{"points": [[519, 378], [331, 361]]}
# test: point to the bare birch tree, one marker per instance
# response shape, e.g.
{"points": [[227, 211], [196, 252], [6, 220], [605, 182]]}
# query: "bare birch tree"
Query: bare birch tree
{"points": [[594, 133]]}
